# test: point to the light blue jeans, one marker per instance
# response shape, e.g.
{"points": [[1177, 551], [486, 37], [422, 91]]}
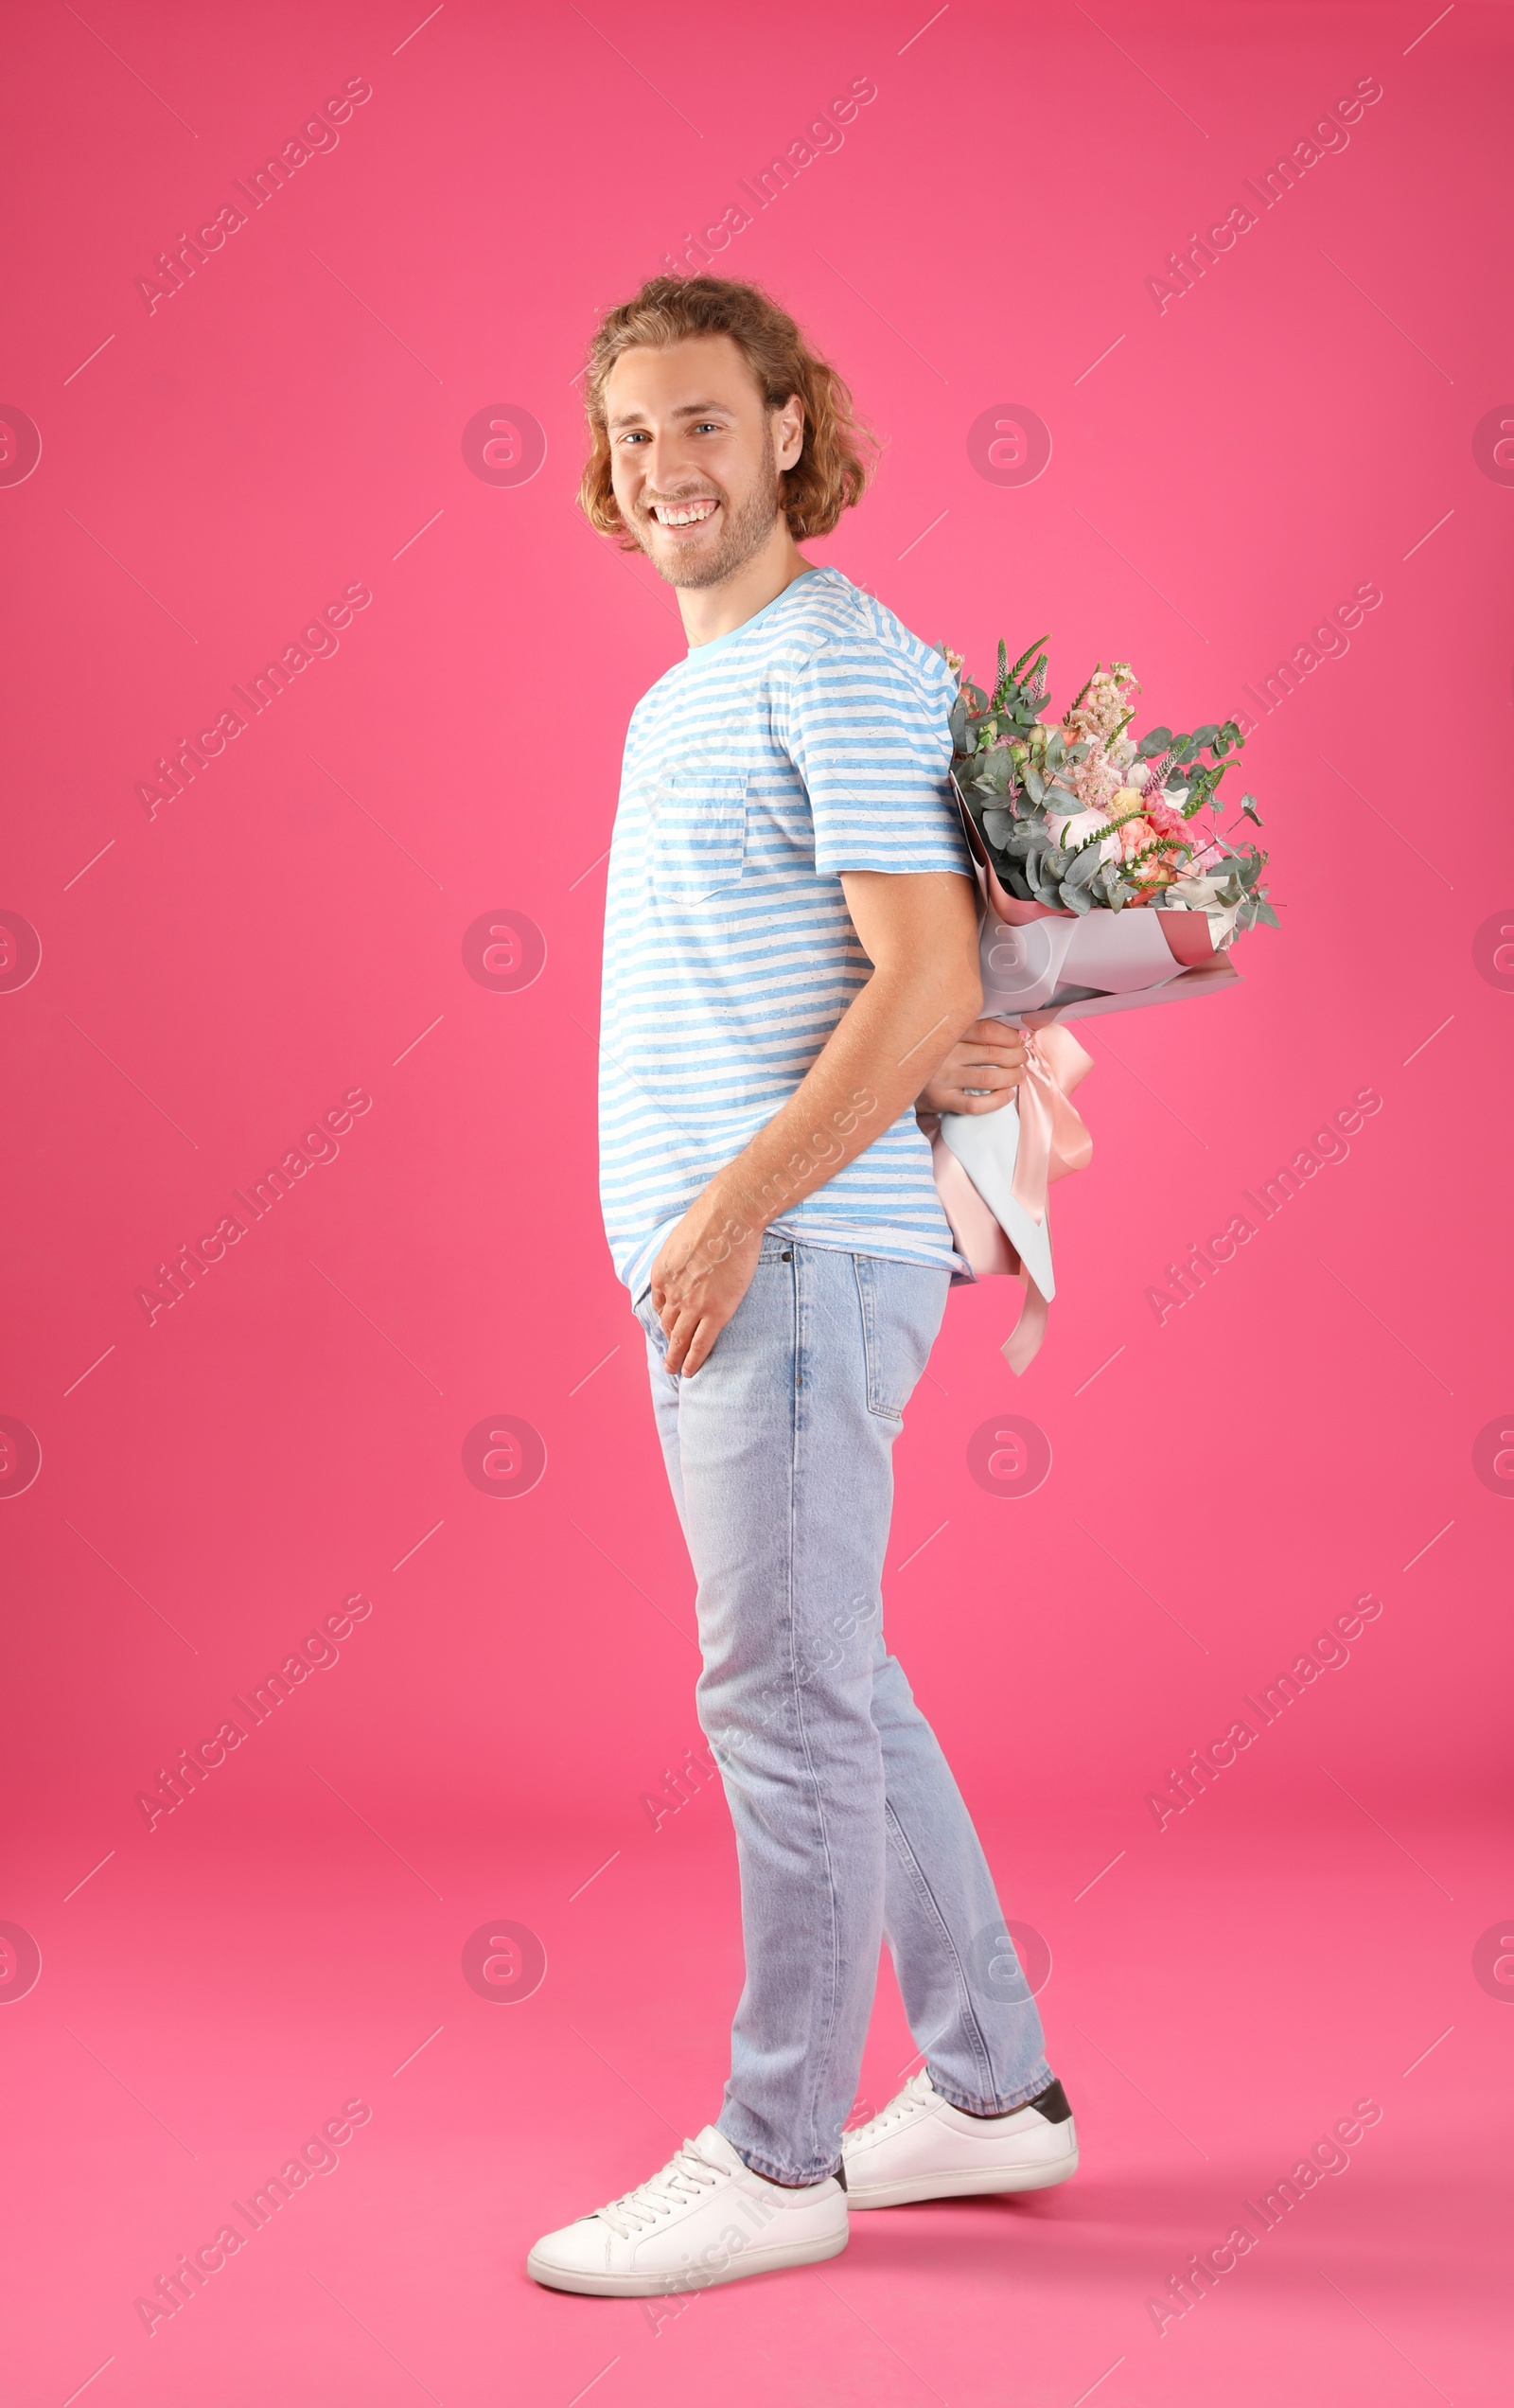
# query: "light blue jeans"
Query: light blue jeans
{"points": [[849, 1826]]}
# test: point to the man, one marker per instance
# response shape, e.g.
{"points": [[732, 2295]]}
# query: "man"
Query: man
{"points": [[790, 967]]}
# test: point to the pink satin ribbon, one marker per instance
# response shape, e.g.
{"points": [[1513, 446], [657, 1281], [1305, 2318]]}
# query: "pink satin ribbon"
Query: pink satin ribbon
{"points": [[1053, 1140]]}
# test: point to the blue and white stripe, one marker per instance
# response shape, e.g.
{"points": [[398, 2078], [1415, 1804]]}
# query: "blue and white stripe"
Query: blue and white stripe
{"points": [[811, 739]]}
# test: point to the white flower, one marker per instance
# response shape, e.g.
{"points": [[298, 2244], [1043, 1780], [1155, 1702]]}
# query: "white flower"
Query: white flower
{"points": [[1203, 893], [1068, 828]]}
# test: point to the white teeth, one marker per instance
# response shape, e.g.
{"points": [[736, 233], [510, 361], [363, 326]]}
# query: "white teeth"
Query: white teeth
{"points": [[683, 514]]}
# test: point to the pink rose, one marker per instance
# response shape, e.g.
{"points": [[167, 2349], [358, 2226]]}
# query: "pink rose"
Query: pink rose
{"points": [[1203, 855], [1166, 821]]}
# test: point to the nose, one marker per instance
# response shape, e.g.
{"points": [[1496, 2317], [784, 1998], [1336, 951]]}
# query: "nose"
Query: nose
{"points": [[666, 469]]}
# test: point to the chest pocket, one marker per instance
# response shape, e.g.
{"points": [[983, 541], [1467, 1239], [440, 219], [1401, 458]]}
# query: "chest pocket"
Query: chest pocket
{"points": [[698, 833]]}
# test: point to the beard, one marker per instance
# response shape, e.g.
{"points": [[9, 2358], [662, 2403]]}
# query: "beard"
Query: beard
{"points": [[744, 530]]}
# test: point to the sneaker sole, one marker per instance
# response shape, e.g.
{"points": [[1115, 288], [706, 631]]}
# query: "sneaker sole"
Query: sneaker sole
{"points": [[767, 2261], [982, 2183]]}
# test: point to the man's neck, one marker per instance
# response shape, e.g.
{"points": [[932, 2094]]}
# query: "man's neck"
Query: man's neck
{"points": [[709, 611]]}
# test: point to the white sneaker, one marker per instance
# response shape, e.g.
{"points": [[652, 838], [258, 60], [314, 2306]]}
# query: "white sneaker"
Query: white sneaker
{"points": [[705, 2218], [920, 2147]]}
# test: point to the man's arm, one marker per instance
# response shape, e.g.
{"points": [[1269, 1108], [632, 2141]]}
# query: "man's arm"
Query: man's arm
{"points": [[919, 932]]}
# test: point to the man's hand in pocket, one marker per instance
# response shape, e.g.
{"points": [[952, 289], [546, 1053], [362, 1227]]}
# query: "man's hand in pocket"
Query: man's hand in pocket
{"points": [[700, 1276]]}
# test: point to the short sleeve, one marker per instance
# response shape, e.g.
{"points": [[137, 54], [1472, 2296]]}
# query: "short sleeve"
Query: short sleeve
{"points": [[873, 743]]}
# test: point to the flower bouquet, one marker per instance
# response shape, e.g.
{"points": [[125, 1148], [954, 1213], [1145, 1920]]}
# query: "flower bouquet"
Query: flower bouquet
{"points": [[1102, 890]]}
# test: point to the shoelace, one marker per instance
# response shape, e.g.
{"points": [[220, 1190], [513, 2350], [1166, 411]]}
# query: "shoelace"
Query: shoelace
{"points": [[681, 2179], [905, 2104]]}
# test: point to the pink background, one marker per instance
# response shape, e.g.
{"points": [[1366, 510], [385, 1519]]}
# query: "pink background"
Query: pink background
{"points": [[1325, 1925]]}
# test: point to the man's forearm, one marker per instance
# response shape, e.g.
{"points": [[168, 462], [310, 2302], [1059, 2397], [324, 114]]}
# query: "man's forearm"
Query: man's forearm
{"points": [[881, 1053]]}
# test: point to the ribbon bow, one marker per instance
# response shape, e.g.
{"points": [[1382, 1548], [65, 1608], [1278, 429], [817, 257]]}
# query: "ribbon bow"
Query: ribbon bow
{"points": [[1053, 1142]]}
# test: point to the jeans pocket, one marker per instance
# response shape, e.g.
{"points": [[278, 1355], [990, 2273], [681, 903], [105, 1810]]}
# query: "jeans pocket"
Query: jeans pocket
{"points": [[902, 1304], [652, 1329]]}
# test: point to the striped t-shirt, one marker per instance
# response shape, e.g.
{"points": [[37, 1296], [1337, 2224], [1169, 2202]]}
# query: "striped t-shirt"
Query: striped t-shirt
{"points": [[811, 739]]}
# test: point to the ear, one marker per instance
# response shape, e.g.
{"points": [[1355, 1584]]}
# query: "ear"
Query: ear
{"points": [[789, 430]]}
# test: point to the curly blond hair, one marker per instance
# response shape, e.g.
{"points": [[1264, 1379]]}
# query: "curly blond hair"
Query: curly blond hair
{"points": [[832, 471]]}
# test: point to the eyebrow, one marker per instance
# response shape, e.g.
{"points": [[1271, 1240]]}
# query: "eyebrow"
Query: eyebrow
{"points": [[687, 409]]}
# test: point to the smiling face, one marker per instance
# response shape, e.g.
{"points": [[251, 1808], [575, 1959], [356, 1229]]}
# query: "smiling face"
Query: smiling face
{"points": [[696, 456]]}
